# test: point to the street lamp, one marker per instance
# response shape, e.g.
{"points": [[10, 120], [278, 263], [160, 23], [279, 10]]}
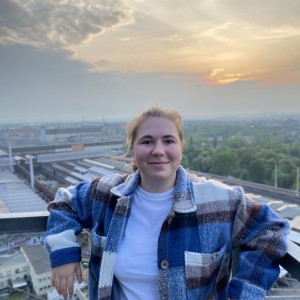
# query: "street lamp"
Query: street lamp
{"points": [[297, 188], [10, 157], [275, 179], [30, 158]]}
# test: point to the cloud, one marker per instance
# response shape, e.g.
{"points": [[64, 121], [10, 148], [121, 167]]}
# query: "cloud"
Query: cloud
{"points": [[220, 77], [59, 24], [197, 37]]}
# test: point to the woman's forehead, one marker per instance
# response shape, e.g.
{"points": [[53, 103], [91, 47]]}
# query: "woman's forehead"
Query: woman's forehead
{"points": [[157, 126]]}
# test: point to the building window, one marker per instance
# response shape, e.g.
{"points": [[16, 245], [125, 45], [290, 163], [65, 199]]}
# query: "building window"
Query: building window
{"points": [[17, 271], [8, 273], [1, 275]]}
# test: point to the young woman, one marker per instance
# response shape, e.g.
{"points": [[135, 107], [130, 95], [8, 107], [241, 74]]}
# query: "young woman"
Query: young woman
{"points": [[162, 233]]}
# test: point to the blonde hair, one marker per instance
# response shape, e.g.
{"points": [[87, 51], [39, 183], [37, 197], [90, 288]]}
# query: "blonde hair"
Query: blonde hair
{"points": [[155, 111]]}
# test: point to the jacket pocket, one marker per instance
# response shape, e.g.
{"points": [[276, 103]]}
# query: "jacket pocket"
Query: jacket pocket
{"points": [[201, 269]]}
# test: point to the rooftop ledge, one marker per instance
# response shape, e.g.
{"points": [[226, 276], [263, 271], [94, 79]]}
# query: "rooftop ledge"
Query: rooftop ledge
{"points": [[32, 222], [25, 222]]}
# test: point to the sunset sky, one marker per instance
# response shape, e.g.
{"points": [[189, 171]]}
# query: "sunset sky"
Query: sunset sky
{"points": [[88, 60]]}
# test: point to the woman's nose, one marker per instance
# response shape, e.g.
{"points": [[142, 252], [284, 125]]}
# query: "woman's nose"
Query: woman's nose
{"points": [[158, 149]]}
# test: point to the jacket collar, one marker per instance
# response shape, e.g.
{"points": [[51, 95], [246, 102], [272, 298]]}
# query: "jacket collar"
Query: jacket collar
{"points": [[183, 200]]}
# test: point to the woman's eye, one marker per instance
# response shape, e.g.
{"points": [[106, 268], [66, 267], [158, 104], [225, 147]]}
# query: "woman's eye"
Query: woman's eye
{"points": [[146, 142], [169, 141]]}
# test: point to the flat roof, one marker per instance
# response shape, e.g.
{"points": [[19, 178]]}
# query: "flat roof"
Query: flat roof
{"points": [[38, 258], [289, 211], [16, 196], [295, 224], [12, 258]]}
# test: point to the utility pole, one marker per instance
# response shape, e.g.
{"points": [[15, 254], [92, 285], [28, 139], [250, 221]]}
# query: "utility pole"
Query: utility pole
{"points": [[31, 172], [298, 175], [275, 179], [10, 157]]}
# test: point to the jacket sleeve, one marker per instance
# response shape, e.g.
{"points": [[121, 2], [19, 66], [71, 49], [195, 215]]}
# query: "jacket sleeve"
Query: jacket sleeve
{"points": [[261, 236], [70, 212]]}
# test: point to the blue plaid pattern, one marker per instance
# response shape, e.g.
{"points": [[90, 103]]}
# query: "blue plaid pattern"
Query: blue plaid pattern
{"points": [[208, 221]]}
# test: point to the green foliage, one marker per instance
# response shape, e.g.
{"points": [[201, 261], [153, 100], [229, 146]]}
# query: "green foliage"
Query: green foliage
{"points": [[248, 150], [235, 142], [224, 162], [257, 171], [294, 150], [246, 155]]}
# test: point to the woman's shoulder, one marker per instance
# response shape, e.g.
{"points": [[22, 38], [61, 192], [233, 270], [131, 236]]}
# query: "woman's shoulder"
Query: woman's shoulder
{"points": [[105, 183], [211, 189]]}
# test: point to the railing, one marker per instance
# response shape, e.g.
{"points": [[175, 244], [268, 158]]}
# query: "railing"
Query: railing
{"points": [[34, 222], [291, 261], [258, 188], [26, 222]]}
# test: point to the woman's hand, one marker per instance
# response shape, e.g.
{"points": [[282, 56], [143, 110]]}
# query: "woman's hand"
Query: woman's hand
{"points": [[63, 278]]}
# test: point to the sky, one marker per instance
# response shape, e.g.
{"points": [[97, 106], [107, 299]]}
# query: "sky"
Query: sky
{"points": [[94, 60]]}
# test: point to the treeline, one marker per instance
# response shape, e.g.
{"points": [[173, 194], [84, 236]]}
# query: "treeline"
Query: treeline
{"points": [[260, 151]]}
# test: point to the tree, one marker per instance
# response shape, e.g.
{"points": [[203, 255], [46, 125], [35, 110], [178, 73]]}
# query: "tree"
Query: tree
{"points": [[246, 156], [224, 162], [294, 150], [190, 152], [286, 172], [257, 171], [235, 142], [269, 170], [202, 163]]}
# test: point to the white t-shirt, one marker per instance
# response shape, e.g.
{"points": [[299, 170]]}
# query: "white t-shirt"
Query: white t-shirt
{"points": [[136, 263]]}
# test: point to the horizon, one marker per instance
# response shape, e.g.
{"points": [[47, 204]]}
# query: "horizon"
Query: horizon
{"points": [[249, 117]]}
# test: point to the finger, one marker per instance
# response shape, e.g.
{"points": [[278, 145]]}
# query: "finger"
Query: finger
{"points": [[53, 279], [63, 287], [57, 284], [78, 273], [70, 285]]}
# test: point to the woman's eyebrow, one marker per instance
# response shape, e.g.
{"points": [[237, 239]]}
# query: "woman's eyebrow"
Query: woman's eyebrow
{"points": [[149, 136], [145, 137]]}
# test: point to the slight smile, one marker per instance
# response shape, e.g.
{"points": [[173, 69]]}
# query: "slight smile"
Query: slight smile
{"points": [[158, 163]]}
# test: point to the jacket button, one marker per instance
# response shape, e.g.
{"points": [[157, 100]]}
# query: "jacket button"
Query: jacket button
{"points": [[164, 264]]}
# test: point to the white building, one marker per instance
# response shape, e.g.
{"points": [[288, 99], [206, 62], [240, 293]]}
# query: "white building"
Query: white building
{"points": [[39, 268], [78, 293], [13, 270]]}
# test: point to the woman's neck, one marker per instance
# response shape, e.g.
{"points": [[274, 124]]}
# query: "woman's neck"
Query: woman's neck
{"points": [[157, 186]]}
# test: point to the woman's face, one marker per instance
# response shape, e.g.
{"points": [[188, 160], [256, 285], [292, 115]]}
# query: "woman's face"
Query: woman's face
{"points": [[157, 151]]}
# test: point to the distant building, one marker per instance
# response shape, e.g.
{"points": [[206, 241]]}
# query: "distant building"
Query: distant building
{"points": [[8, 243], [52, 294], [39, 268], [78, 293], [43, 134], [77, 147], [14, 271]]}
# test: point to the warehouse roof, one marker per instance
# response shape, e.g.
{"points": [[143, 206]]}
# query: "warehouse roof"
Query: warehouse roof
{"points": [[16, 196]]}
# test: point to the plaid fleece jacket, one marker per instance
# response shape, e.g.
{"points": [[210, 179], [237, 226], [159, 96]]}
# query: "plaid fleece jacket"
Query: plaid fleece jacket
{"points": [[207, 222]]}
